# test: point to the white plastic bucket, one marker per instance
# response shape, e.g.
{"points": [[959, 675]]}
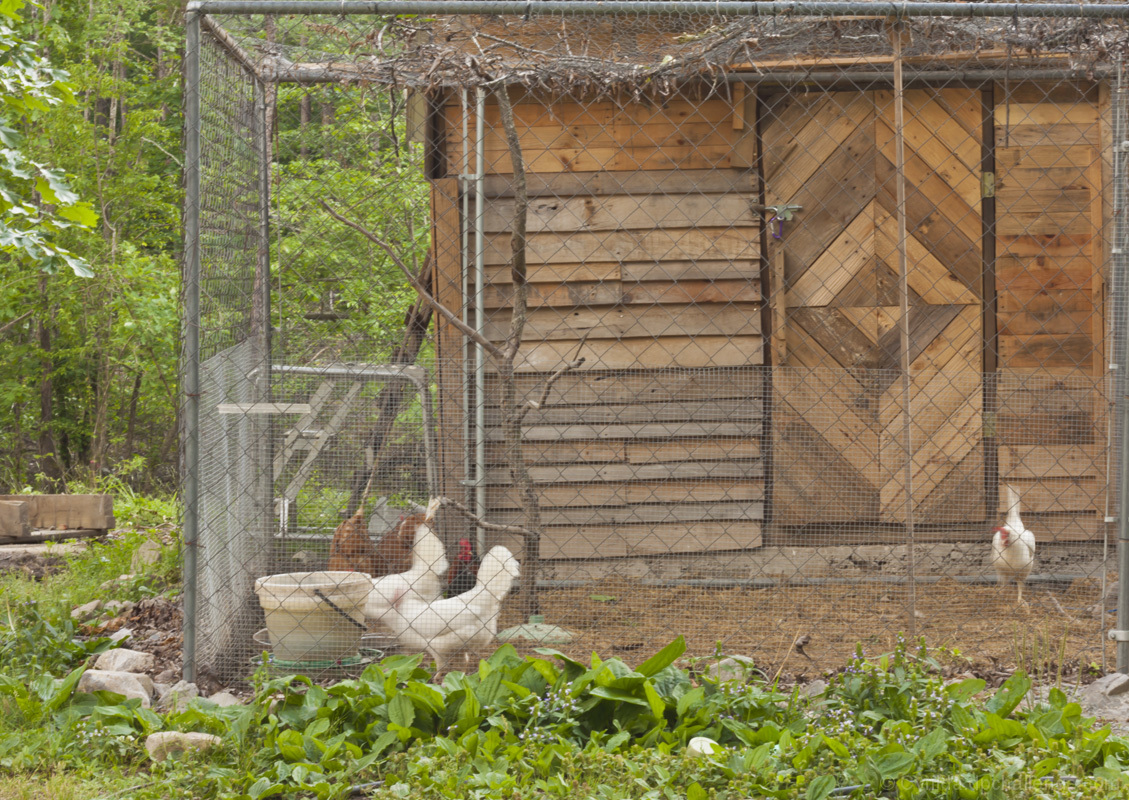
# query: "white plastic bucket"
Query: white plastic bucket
{"points": [[304, 626]]}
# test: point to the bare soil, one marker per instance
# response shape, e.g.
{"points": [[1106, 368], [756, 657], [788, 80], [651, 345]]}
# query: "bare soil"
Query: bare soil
{"points": [[984, 628]]}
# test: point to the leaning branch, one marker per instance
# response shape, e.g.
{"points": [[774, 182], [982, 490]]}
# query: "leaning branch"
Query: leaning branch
{"points": [[538, 404], [477, 520], [420, 289]]}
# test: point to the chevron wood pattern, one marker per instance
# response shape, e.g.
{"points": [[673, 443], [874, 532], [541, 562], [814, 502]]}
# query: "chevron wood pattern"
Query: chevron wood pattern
{"points": [[833, 153]]}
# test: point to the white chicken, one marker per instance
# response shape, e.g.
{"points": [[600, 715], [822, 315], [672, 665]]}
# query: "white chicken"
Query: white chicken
{"points": [[423, 582], [444, 627], [1013, 547]]}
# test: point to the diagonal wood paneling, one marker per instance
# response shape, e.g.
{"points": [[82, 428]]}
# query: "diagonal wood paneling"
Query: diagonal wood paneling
{"points": [[841, 266]]}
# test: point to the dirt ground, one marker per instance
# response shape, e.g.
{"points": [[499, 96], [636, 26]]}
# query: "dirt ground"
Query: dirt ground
{"points": [[1056, 633]]}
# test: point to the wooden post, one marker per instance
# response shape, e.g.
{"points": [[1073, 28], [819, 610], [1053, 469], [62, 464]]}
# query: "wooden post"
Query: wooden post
{"points": [[779, 305], [898, 35]]}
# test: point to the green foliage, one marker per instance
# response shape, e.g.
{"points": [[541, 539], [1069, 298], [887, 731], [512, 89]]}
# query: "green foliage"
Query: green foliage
{"points": [[36, 201]]}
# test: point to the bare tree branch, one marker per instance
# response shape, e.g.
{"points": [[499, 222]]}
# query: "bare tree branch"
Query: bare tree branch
{"points": [[518, 273], [7, 326], [420, 289], [556, 376], [479, 521]]}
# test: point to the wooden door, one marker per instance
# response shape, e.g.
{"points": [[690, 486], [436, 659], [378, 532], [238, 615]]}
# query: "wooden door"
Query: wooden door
{"points": [[839, 434]]}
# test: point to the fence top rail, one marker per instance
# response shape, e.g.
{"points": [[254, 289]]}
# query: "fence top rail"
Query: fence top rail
{"points": [[770, 8]]}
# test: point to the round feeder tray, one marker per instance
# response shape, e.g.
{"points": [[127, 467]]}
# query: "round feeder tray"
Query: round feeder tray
{"points": [[346, 666], [537, 630]]}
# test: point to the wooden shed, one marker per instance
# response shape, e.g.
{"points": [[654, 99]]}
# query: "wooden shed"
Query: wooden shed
{"points": [[743, 377]]}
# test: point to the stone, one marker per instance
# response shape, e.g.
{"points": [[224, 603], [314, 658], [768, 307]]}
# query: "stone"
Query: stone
{"points": [[127, 684], [169, 676], [148, 553], [115, 607], [121, 634], [302, 557], [1111, 685], [86, 610], [178, 696], [125, 660], [166, 743], [730, 668], [225, 699], [814, 688]]}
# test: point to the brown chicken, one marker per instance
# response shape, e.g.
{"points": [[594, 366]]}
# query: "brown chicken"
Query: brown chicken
{"points": [[353, 551]]}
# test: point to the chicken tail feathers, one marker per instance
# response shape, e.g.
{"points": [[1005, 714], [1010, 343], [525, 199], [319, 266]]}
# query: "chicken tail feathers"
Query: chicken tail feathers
{"points": [[429, 549], [1013, 520], [498, 572]]}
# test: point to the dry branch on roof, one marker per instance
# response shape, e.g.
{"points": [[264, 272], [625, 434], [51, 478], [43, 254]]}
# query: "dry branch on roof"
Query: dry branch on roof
{"points": [[651, 53]]}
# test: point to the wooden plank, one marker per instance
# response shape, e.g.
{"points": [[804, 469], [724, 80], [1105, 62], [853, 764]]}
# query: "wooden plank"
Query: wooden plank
{"points": [[676, 412], [591, 473], [597, 494], [648, 452], [642, 386], [1024, 276], [668, 352], [930, 279], [1060, 313], [450, 345], [639, 514], [691, 538], [779, 300], [837, 334], [263, 408], [845, 257], [641, 182], [498, 454], [628, 321], [95, 511], [655, 246], [645, 157], [646, 430], [14, 519], [574, 274], [1052, 461], [626, 212], [1066, 354], [1058, 494], [615, 292], [958, 498]]}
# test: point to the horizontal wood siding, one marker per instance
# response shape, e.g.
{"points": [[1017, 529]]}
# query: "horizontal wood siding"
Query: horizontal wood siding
{"points": [[644, 259], [635, 463], [1050, 297]]}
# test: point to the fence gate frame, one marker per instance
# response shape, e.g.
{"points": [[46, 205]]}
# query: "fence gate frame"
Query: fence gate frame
{"points": [[778, 264]]}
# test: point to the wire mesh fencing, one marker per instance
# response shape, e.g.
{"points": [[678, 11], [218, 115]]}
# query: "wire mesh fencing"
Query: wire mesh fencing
{"points": [[786, 335]]}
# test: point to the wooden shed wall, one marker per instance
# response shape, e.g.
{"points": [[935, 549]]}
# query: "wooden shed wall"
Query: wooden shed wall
{"points": [[1052, 144], [642, 245], [643, 241]]}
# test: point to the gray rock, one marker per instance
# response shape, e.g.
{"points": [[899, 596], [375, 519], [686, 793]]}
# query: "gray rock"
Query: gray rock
{"points": [[86, 610], [128, 684], [125, 660], [1110, 685], [302, 557], [814, 689], [166, 743], [178, 696], [121, 635], [731, 668], [169, 676], [116, 607], [148, 553], [225, 699]]}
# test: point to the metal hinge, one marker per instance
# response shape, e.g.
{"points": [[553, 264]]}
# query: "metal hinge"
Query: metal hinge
{"points": [[1118, 636], [989, 429], [988, 184]]}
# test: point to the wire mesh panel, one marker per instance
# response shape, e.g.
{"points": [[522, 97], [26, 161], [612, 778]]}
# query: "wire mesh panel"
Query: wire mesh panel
{"points": [[783, 334]]}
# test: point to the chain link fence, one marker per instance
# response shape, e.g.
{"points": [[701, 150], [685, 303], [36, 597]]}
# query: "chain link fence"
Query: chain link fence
{"points": [[736, 327]]}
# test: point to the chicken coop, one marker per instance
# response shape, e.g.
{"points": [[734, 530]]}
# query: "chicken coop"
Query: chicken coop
{"points": [[736, 321]]}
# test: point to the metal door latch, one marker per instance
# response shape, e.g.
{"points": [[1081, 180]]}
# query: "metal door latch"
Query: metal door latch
{"points": [[780, 214]]}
